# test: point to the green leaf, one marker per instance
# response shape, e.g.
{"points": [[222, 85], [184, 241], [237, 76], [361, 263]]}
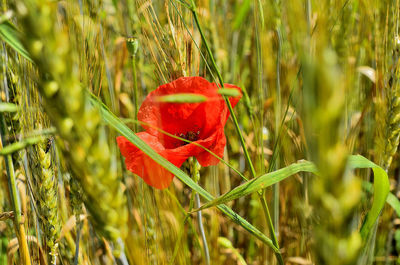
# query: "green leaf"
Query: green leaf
{"points": [[381, 191], [229, 92], [225, 243], [8, 107], [182, 98], [118, 125], [262, 182], [36, 137], [14, 147], [10, 35], [381, 186], [394, 202], [391, 199], [241, 13]]}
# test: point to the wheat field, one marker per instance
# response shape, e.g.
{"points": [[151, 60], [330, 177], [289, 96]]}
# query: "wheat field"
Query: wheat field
{"points": [[200, 132]]}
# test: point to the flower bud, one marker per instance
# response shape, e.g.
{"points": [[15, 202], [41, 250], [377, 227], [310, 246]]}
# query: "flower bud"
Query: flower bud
{"points": [[132, 45]]}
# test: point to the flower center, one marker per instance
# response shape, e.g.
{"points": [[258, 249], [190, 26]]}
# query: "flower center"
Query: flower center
{"points": [[190, 136]]}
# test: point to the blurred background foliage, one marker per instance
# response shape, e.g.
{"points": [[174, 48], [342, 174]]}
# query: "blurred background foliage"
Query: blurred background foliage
{"points": [[320, 81]]}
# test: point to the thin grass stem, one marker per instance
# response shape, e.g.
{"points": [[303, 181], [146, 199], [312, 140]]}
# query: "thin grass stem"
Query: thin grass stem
{"points": [[18, 223], [185, 220], [275, 188], [78, 236], [133, 46], [135, 89], [194, 168], [201, 229], [237, 127]]}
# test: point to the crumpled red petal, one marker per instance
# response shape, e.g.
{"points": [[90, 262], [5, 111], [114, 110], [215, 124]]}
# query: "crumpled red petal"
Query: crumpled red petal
{"points": [[142, 165], [215, 143], [234, 100], [206, 159]]}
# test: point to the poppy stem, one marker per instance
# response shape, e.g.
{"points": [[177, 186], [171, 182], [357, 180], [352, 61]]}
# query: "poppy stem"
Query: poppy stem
{"points": [[201, 229], [193, 9], [194, 168], [133, 45]]}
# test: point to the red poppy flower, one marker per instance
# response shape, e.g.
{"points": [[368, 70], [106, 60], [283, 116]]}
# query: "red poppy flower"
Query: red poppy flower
{"points": [[202, 123]]}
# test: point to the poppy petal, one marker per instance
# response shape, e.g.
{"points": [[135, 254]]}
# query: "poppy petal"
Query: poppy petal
{"points": [[142, 165], [206, 159], [167, 115]]}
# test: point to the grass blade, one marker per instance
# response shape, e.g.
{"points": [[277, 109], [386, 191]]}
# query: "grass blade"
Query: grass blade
{"points": [[262, 182], [10, 34], [229, 92], [394, 202], [381, 186], [182, 98], [391, 199], [14, 147], [381, 191], [8, 107]]}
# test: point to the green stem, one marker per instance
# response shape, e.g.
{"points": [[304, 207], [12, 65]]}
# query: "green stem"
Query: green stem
{"points": [[135, 89], [201, 230], [275, 188], [214, 64], [187, 219], [78, 236], [15, 147], [270, 226], [133, 46], [19, 226], [242, 142], [194, 168]]}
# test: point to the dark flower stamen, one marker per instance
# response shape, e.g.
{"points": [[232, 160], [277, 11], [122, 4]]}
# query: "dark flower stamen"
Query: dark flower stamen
{"points": [[190, 136]]}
